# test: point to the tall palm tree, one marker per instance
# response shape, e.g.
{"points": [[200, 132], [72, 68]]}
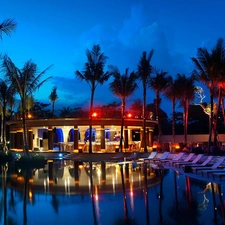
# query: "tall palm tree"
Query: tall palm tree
{"points": [[144, 72], [6, 93], [93, 74], [186, 94], [208, 67], [26, 81], [123, 86], [171, 93], [158, 82], [53, 97], [7, 26]]}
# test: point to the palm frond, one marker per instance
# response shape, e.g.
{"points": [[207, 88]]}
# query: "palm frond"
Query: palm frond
{"points": [[7, 27]]}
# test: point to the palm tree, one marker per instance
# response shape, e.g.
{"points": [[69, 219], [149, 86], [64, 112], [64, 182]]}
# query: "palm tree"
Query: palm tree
{"points": [[7, 26], [186, 94], [53, 97], [93, 74], [26, 81], [209, 67], [6, 93], [144, 72], [123, 86], [171, 93], [158, 83]]}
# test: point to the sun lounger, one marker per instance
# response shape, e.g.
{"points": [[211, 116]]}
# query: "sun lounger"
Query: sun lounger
{"points": [[162, 157], [195, 160], [175, 159], [151, 156], [214, 166], [180, 158], [188, 167]]}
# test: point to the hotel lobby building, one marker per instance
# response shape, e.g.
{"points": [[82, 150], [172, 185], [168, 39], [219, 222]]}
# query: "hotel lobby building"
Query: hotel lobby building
{"points": [[71, 134]]}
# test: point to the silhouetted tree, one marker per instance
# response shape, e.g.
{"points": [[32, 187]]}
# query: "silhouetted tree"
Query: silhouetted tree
{"points": [[123, 86], [93, 74], [26, 81]]}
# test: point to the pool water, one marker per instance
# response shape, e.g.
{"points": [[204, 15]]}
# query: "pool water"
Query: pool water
{"points": [[107, 194]]}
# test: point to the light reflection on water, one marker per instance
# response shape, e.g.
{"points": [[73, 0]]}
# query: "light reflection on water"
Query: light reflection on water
{"points": [[106, 194]]}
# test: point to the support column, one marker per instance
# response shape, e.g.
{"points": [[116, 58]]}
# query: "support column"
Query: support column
{"points": [[141, 138], [147, 136], [130, 135], [30, 139], [76, 139], [12, 139], [102, 138], [50, 138], [19, 139], [150, 136], [126, 147]]}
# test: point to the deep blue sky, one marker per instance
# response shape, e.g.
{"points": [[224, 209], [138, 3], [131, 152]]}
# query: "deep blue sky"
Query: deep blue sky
{"points": [[59, 32]]}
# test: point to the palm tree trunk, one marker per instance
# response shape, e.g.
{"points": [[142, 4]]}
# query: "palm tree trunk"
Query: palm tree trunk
{"points": [[186, 121], [173, 120], [217, 116], [25, 141], [4, 127], [157, 114], [53, 108], [222, 102], [90, 118], [122, 125], [1, 128], [144, 120], [211, 120]]}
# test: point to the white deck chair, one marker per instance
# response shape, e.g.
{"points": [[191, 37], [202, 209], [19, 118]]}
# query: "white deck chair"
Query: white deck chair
{"points": [[197, 158], [162, 157], [214, 166], [188, 167], [175, 159], [151, 156]]}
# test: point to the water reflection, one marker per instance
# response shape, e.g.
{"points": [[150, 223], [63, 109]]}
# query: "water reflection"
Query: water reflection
{"points": [[102, 193]]}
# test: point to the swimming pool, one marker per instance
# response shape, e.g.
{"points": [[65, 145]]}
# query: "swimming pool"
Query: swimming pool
{"points": [[105, 193]]}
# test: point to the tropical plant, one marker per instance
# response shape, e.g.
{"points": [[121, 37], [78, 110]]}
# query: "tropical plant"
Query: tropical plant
{"points": [[123, 86], [171, 93], [7, 92], [144, 72], [26, 81], [7, 26], [158, 82], [186, 94], [53, 97], [93, 74], [209, 67]]}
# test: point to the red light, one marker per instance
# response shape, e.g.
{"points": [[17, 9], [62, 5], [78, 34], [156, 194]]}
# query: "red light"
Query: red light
{"points": [[129, 115], [94, 114]]}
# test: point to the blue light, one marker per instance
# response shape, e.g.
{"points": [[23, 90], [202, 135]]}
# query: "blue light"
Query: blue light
{"points": [[60, 155]]}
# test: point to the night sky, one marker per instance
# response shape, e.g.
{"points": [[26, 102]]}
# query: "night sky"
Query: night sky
{"points": [[59, 32]]}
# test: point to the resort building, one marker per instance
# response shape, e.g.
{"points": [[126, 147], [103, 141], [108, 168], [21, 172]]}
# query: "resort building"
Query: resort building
{"points": [[72, 134]]}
